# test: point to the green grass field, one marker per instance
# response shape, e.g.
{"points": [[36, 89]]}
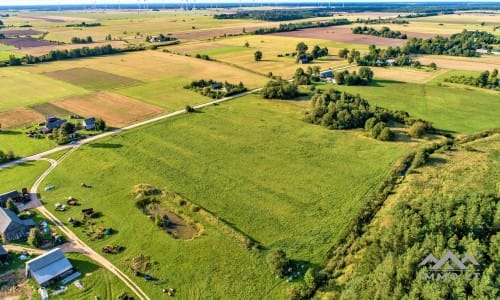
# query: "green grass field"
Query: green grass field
{"points": [[21, 88], [251, 162], [15, 140], [22, 175], [458, 109]]}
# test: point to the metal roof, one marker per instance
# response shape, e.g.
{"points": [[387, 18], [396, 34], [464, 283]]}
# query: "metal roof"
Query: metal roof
{"points": [[49, 265]]}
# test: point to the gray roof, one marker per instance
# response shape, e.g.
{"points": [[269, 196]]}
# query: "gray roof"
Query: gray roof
{"points": [[11, 227], [49, 265], [12, 194], [55, 124], [326, 73]]}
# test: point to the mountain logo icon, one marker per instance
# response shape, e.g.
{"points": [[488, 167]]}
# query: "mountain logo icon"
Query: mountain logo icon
{"points": [[449, 262]]}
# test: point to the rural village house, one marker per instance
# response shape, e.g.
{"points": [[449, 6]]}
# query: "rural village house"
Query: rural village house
{"points": [[89, 123], [14, 195], [49, 266], [12, 228]]}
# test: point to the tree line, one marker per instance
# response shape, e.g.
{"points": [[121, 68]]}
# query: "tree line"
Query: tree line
{"points": [[277, 14], [84, 24], [302, 25], [383, 32], [362, 77], [7, 156], [278, 88], [484, 80], [382, 21], [55, 55], [216, 89], [77, 40]]}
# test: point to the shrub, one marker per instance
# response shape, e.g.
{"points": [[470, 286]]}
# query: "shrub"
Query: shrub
{"points": [[386, 135], [278, 262], [420, 159], [417, 129], [189, 109]]}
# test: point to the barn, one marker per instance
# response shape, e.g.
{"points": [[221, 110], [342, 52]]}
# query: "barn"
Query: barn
{"points": [[49, 266]]}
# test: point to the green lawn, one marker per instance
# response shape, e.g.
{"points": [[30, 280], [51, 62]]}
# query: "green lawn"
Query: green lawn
{"points": [[251, 162], [15, 140], [22, 175], [459, 109]]}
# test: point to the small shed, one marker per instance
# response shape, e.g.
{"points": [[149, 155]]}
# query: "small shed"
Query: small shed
{"points": [[89, 123], [52, 265]]}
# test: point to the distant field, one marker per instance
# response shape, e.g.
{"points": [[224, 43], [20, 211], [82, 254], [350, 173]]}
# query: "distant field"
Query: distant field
{"points": [[116, 110], [405, 74], [19, 88], [248, 155], [92, 79], [461, 110], [270, 46], [483, 63], [19, 116], [40, 50]]}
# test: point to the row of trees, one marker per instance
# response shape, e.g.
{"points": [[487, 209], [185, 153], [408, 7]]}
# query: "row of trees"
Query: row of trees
{"points": [[302, 25], [77, 40], [484, 80], [301, 54], [382, 21], [215, 89], [54, 55], [383, 32], [277, 14], [84, 24], [364, 77], [377, 57], [307, 77]]}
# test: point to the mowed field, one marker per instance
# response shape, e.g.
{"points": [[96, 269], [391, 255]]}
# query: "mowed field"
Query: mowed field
{"points": [[116, 110], [251, 162], [483, 63], [19, 116]]}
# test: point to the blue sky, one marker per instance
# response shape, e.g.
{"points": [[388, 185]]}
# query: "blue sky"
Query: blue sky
{"points": [[55, 2]]}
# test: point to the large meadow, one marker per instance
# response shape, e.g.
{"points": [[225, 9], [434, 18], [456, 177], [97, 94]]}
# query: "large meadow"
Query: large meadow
{"points": [[250, 165]]}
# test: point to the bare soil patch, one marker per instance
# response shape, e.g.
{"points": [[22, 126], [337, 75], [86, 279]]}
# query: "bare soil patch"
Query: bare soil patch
{"points": [[41, 50], [177, 227], [92, 79], [342, 34], [25, 42], [19, 32], [49, 109], [116, 110], [18, 117]]}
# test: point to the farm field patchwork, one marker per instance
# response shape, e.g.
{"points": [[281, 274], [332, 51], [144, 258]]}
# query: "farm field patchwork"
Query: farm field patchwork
{"points": [[245, 156], [18, 117], [92, 79], [21, 88], [116, 110]]}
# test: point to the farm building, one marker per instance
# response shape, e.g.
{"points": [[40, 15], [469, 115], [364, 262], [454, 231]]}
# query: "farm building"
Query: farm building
{"points": [[326, 74], [11, 227], [89, 123], [50, 266], [52, 123], [3, 254], [14, 195]]}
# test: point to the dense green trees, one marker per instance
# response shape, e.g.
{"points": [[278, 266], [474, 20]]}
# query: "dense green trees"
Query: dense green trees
{"points": [[484, 80], [84, 24], [318, 52], [279, 89], [302, 77], [77, 40], [35, 237], [100, 124], [302, 25], [364, 76], [383, 32], [277, 14], [11, 205]]}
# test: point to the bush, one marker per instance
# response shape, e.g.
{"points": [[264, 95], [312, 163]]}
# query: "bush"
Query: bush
{"points": [[386, 135], [278, 262], [420, 159], [189, 109], [35, 237], [417, 130], [11, 205]]}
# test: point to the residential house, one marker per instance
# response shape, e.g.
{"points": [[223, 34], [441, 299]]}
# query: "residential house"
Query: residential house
{"points": [[326, 74], [14, 195], [89, 123], [12, 228], [52, 265]]}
